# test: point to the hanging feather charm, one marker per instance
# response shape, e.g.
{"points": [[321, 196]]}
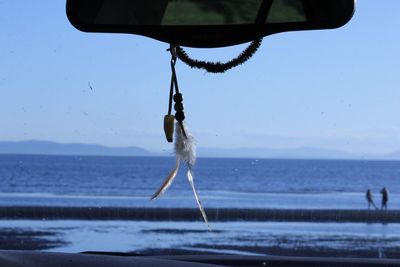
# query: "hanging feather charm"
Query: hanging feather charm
{"points": [[185, 151], [185, 147]]}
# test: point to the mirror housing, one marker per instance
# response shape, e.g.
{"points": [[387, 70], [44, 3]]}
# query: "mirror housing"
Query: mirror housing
{"points": [[207, 23]]}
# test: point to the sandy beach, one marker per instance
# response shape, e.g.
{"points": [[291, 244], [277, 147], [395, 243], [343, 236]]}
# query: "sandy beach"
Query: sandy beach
{"points": [[177, 238], [40, 240]]}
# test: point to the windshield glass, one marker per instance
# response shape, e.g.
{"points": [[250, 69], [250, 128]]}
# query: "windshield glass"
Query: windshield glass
{"points": [[297, 149]]}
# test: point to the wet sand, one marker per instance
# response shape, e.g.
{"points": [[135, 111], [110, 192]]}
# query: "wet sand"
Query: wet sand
{"points": [[28, 240], [43, 240], [192, 214]]}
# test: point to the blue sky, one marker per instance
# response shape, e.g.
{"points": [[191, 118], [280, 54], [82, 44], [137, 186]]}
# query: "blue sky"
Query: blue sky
{"points": [[330, 89]]}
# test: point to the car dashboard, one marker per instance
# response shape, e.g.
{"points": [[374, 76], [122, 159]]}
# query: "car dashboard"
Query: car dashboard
{"points": [[10, 258]]}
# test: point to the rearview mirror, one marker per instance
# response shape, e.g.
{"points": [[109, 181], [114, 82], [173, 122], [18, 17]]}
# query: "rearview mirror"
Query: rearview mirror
{"points": [[207, 23]]}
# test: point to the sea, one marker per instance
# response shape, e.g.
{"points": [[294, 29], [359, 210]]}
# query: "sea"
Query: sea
{"points": [[94, 181]]}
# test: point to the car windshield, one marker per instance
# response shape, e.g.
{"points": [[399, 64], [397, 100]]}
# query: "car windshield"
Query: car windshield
{"points": [[298, 149]]}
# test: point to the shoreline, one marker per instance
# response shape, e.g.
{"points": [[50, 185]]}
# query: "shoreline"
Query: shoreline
{"points": [[193, 214], [12, 239], [181, 239]]}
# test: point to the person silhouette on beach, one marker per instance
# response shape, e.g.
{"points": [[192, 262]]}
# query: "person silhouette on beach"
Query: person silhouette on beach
{"points": [[370, 200], [385, 198]]}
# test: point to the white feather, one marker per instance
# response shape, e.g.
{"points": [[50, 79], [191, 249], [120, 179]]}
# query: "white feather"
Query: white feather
{"points": [[168, 181], [185, 147], [191, 181], [185, 150]]}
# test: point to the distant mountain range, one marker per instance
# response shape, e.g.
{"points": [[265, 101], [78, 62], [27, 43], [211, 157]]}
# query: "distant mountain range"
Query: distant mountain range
{"points": [[53, 148], [294, 153], [394, 155]]}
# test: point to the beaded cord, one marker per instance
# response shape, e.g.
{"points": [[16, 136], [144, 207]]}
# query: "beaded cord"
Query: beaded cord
{"points": [[219, 67]]}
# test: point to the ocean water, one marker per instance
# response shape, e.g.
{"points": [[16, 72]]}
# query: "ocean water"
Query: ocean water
{"points": [[226, 183]]}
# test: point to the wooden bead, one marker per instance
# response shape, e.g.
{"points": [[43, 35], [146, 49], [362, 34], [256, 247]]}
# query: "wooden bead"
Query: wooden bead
{"points": [[178, 106], [178, 97], [180, 116]]}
